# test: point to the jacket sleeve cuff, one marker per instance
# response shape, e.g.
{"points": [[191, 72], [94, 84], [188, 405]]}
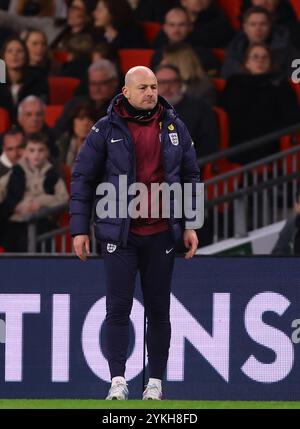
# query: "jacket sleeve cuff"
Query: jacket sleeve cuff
{"points": [[79, 225]]}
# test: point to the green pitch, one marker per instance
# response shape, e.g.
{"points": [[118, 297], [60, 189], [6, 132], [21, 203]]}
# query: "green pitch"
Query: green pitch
{"points": [[98, 404]]}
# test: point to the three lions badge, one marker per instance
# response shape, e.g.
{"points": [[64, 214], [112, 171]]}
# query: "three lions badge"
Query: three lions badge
{"points": [[174, 138], [111, 247]]}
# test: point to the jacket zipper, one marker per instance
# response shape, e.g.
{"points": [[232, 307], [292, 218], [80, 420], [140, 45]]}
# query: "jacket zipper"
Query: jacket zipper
{"points": [[126, 221]]}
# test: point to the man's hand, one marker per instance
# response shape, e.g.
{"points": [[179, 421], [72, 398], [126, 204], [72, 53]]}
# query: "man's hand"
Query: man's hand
{"points": [[81, 245], [190, 240]]}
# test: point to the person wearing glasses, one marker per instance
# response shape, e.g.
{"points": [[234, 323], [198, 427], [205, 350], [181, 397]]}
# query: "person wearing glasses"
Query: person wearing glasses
{"points": [[258, 27], [102, 84]]}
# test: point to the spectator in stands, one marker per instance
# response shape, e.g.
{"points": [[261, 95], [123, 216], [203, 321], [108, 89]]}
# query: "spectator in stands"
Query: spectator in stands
{"points": [[37, 46], [21, 81], [79, 49], [196, 81], [196, 114], [211, 27], [78, 23], [176, 29], [103, 84], [283, 15], [114, 23], [31, 118], [12, 150], [33, 184], [257, 28], [82, 119], [258, 102], [151, 10]]}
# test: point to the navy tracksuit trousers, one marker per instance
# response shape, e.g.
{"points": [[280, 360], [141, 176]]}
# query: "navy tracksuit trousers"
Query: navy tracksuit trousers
{"points": [[152, 255]]}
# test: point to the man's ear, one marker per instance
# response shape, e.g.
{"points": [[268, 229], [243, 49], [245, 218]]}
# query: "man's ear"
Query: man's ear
{"points": [[125, 91]]}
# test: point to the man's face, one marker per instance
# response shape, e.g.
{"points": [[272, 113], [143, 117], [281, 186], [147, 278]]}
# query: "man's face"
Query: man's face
{"points": [[32, 117], [257, 28], [101, 87], [12, 147], [36, 154], [169, 85], [269, 5], [177, 26], [195, 6], [141, 91]]}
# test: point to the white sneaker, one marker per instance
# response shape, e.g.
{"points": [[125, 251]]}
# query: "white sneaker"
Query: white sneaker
{"points": [[152, 392], [118, 391]]}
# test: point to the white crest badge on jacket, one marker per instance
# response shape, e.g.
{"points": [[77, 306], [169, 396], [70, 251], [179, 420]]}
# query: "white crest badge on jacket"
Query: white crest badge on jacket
{"points": [[111, 247], [174, 138]]}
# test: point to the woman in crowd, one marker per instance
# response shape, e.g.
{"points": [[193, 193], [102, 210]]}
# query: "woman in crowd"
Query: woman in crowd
{"points": [[196, 82], [81, 121], [114, 23], [78, 23], [21, 80], [38, 51], [258, 102]]}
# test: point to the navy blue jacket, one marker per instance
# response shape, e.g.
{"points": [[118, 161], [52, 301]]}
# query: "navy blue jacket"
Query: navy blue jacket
{"points": [[101, 160]]}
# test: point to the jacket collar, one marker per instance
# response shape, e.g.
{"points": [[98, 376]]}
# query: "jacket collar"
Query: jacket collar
{"points": [[169, 111]]}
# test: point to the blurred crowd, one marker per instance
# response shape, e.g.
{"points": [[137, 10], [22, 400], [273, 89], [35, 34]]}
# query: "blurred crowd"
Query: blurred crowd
{"points": [[208, 59]]}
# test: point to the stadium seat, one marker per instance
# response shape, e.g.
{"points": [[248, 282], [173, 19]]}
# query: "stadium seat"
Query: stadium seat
{"points": [[151, 30], [135, 57], [296, 6], [219, 54], [232, 9], [223, 125], [296, 88], [52, 113], [219, 84], [4, 120], [61, 89]]}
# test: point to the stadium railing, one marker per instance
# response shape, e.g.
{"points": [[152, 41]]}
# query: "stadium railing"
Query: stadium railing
{"points": [[251, 196], [238, 200]]}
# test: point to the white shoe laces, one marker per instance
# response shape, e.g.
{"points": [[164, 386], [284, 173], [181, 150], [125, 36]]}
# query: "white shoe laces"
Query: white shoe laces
{"points": [[152, 391], [118, 390]]}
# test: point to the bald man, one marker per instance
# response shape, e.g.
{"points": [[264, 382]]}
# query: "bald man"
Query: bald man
{"points": [[141, 139]]}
